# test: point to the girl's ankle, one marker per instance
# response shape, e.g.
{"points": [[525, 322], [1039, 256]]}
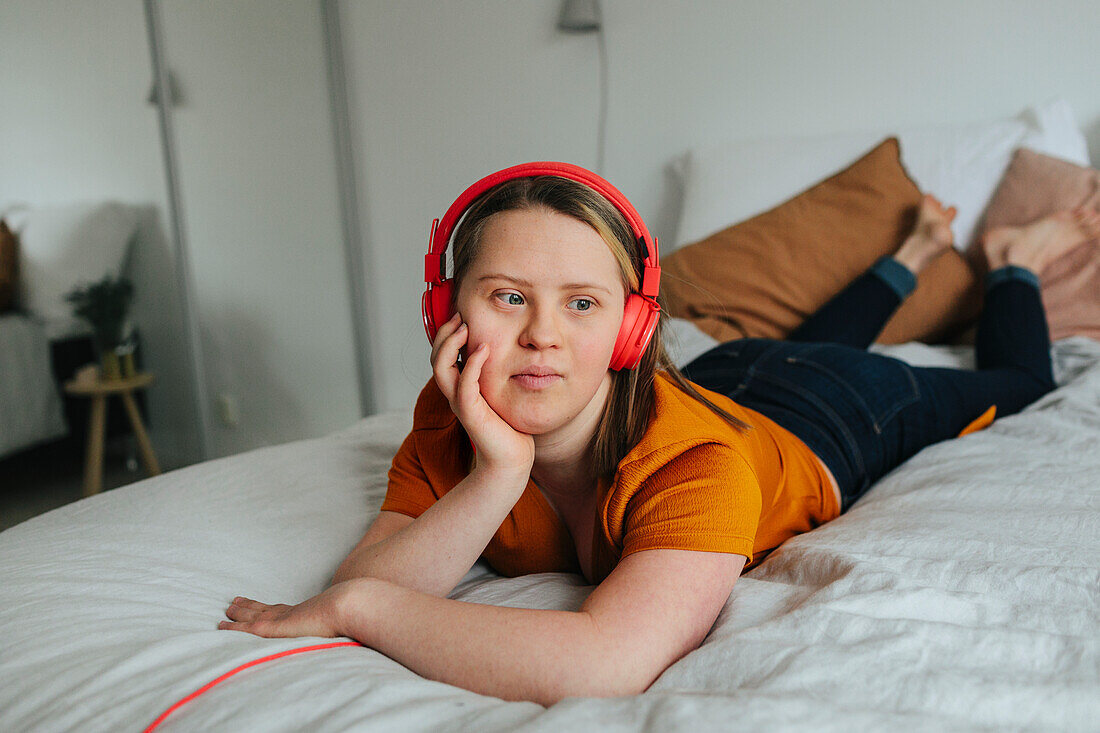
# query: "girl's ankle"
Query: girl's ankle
{"points": [[1010, 272]]}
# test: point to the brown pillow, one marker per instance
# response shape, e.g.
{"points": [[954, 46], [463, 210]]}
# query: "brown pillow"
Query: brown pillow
{"points": [[1034, 186], [763, 277], [9, 266]]}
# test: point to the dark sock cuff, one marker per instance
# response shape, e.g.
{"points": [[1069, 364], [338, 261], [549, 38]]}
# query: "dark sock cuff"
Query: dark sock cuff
{"points": [[900, 278], [1010, 272]]}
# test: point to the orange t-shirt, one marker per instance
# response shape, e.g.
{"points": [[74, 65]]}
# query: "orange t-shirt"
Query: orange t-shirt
{"points": [[693, 482]]}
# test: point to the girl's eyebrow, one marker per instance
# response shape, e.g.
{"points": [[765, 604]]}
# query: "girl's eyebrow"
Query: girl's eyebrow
{"points": [[528, 284]]}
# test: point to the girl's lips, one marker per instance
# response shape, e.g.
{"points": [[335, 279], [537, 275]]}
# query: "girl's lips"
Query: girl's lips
{"points": [[530, 381]]}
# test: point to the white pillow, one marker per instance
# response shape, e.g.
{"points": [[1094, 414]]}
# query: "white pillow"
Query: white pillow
{"points": [[960, 164], [684, 341], [65, 246]]}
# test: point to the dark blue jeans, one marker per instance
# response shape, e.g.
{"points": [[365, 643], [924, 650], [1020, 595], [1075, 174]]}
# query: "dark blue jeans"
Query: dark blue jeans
{"points": [[864, 413]]}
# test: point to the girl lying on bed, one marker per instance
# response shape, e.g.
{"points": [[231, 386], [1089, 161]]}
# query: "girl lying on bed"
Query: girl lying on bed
{"points": [[557, 436]]}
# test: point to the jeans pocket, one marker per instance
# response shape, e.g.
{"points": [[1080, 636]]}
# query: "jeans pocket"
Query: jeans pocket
{"points": [[879, 386]]}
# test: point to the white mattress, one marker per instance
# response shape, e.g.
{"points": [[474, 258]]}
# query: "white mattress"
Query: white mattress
{"points": [[962, 592], [30, 406]]}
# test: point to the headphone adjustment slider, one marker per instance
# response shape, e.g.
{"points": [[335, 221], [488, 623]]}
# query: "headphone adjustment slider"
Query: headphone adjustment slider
{"points": [[651, 281], [433, 268]]}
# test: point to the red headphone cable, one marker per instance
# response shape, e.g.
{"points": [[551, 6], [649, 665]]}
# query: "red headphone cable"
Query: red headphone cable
{"points": [[244, 666]]}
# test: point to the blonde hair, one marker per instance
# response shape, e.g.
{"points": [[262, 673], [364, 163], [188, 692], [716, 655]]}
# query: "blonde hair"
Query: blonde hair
{"points": [[630, 401]]}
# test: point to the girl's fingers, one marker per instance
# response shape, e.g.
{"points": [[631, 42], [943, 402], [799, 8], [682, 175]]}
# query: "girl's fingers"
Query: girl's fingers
{"points": [[467, 391], [444, 362], [443, 333], [447, 354], [240, 613], [246, 609], [249, 627]]}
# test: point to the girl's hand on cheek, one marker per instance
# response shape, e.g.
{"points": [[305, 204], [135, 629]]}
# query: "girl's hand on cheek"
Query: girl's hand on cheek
{"points": [[499, 446]]}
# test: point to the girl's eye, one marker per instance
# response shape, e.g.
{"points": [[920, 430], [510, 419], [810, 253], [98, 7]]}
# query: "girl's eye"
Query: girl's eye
{"points": [[512, 298], [586, 304]]}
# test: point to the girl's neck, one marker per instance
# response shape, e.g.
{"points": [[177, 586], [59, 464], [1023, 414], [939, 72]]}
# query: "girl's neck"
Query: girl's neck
{"points": [[563, 458]]}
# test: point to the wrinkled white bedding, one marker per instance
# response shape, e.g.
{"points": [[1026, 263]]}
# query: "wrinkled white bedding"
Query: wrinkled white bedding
{"points": [[962, 592], [30, 406]]}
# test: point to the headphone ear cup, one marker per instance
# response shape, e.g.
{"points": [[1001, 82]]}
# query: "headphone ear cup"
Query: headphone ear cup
{"points": [[639, 321], [436, 305]]}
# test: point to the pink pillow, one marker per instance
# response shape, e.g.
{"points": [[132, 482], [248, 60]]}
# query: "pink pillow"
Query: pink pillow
{"points": [[1033, 186]]}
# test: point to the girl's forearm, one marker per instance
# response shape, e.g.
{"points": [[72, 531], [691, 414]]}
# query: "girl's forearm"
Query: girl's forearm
{"points": [[510, 653], [433, 553]]}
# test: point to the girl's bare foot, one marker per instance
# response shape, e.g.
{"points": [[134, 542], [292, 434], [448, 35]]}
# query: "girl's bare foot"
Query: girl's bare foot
{"points": [[931, 236], [1039, 243]]}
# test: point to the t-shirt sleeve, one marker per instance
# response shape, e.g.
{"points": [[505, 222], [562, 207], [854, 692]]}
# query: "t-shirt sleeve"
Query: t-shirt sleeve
{"points": [[408, 491], [706, 499]]}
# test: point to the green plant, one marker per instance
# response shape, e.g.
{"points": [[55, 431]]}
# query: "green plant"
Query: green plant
{"points": [[104, 304]]}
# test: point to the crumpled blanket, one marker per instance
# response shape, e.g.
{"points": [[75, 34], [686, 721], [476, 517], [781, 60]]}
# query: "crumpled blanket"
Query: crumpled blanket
{"points": [[961, 593]]}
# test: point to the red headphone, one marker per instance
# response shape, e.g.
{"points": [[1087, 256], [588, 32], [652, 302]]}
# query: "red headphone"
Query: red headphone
{"points": [[642, 311]]}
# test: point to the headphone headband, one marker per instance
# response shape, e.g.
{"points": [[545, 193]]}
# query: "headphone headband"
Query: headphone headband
{"points": [[443, 228]]}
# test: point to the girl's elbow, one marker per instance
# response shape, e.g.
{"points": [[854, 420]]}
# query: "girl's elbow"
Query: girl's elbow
{"points": [[606, 679]]}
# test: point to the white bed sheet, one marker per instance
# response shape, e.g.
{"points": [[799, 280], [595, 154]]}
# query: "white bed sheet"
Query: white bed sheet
{"points": [[963, 592], [30, 406]]}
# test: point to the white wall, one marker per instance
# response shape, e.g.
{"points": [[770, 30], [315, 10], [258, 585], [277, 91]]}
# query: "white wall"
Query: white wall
{"points": [[444, 93], [441, 94], [75, 126], [260, 204]]}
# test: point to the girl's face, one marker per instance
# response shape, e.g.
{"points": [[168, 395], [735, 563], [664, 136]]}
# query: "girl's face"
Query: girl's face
{"points": [[546, 294]]}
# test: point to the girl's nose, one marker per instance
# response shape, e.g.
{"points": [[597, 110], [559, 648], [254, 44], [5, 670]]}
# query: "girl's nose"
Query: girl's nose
{"points": [[541, 330]]}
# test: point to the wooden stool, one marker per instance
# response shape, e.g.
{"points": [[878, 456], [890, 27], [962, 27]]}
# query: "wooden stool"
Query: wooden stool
{"points": [[98, 390]]}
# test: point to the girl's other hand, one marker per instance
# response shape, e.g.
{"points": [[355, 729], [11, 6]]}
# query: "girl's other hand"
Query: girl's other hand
{"points": [[314, 617], [500, 447]]}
